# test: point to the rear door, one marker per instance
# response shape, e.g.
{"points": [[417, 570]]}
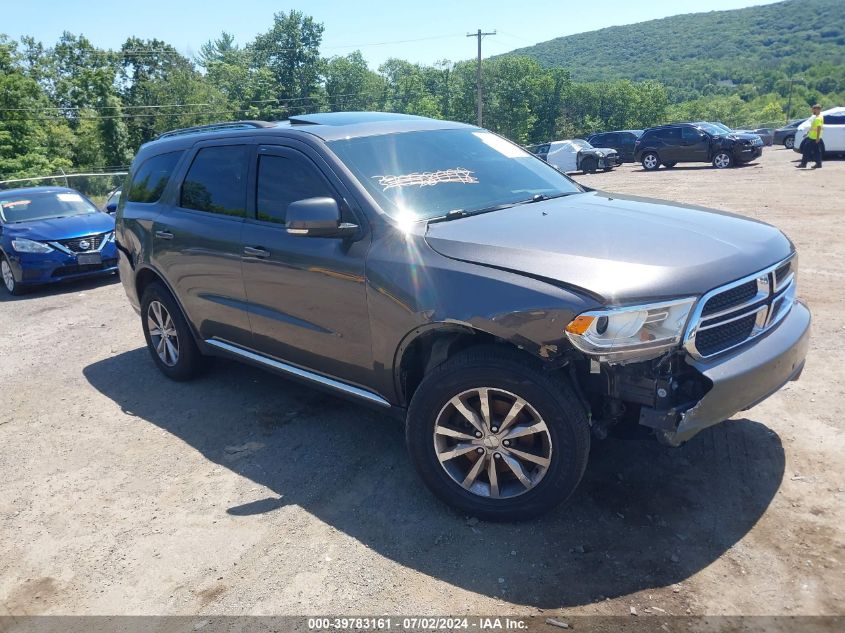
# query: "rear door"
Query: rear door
{"points": [[669, 145], [197, 240], [307, 295], [626, 145]]}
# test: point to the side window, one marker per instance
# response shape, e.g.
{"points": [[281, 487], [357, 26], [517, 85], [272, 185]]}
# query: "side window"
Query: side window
{"points": [[610, 140], [282, 180], [834, 119], [670, 135], [597, 140], [216, 181], [152, 177], [690, 134]]}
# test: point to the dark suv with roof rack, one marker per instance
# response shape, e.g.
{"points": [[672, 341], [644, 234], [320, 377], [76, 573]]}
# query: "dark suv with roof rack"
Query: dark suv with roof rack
{"points": [[436, 271], [669, 145]]}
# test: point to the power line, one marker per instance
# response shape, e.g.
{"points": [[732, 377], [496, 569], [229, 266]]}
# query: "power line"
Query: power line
{"points": [[171, 105], [329, 99]]}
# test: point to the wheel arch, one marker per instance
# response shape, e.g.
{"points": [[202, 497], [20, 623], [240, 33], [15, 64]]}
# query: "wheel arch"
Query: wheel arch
{"points": [[430, 345], [144, 276]]}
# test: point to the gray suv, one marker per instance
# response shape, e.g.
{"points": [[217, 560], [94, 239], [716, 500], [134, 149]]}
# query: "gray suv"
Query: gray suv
{"points": [[440, 273]]}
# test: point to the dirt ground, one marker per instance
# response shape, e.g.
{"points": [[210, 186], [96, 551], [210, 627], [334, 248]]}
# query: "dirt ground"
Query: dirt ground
{"points": [[242, 493]]}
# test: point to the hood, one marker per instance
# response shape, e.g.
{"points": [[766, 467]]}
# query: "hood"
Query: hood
{"points": [[741, 136], [62, 228], [600, 151], [619, 248]]}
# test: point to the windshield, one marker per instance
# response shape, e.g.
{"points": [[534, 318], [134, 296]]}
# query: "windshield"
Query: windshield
{"points": [[578, 144], [713, 129], [427, 174], [43, 205]]}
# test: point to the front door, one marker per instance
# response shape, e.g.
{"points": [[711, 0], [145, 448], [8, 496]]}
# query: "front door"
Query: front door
{"points": [[695, 145], [307, 295]]}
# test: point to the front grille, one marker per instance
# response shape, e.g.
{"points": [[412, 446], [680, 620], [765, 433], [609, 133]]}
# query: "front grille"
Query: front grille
{"points": [[782, 272], [93, 241], [728, 317], [725, 336], [729, 298], [76, 269]]}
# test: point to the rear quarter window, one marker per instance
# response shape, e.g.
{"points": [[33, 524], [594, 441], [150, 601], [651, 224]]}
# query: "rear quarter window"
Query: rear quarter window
{"points": [[152, 177]]}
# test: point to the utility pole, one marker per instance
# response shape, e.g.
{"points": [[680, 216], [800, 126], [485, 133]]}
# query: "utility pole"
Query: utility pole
{"points": [[789, 103], [479, 35]]}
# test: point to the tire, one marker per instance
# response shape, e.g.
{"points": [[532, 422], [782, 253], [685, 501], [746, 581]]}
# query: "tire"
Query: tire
{"points": [[789, 142], [589, 165], [670, 164], [723, 160], [161, 313], [12, 286], [563, 442], [650, 161]]}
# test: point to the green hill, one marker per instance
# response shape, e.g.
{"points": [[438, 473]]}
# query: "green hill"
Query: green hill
{"points": [[701, 53]]}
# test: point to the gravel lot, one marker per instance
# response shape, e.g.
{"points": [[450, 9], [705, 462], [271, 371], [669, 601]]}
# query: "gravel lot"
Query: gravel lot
{"points": [[242, 493]]}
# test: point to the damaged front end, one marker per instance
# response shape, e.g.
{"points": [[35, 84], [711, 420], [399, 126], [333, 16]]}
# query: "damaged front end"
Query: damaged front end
{"points": [[678, 395]]}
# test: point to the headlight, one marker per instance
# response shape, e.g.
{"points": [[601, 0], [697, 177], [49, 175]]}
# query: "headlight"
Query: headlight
{"points": [[633, 333], [23, 245]]}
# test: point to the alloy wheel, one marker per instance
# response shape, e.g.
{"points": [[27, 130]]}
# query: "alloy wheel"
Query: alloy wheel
{"points": [[492, 442], [722, 160], [8, 278], [163, 334], [650, 161]]}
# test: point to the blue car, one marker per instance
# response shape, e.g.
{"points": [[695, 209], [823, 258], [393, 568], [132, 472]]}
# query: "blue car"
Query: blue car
{"points": [[52, 234]]}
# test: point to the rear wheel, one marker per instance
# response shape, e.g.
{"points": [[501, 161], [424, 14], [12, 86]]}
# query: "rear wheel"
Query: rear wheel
{"points": [[789, 142], [650, 161], [495, 437], [9, 282], [723, 160], [169, 339]]}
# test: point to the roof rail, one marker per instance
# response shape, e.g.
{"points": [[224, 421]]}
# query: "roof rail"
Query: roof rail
{"points": [[214, 127]]}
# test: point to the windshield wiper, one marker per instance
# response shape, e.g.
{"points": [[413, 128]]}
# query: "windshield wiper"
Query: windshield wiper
{"points": [[455, 214]]}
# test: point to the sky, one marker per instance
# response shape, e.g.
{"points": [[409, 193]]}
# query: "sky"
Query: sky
{"points": [[419, 32]]}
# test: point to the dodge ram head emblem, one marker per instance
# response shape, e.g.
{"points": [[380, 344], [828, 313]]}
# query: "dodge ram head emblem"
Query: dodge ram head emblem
{"points": [[84, 245]]}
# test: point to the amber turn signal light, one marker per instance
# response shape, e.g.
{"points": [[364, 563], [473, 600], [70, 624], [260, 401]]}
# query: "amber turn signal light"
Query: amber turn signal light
{"points": [[579, 324]]}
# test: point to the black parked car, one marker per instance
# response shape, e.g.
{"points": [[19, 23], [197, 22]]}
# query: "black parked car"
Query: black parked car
{"points": [[676, 143], [786, 135], [443, 274], [622, 141]]}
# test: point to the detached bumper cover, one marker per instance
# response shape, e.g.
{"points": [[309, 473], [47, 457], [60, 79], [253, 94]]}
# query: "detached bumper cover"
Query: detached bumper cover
{"points": [[749, 376]]}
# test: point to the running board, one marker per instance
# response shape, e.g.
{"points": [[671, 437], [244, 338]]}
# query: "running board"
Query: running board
{"points": [[292, 370]]}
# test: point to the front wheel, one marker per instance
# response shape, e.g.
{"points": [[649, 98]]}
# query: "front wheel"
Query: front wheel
{"points": [[789, 142], [650, 161], [723, 160], [589, 165], [9, 282], [494, 436]]}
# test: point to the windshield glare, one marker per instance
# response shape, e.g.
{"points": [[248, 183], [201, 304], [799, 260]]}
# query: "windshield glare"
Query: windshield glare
{"points": [[43, 205], [426, 174]]}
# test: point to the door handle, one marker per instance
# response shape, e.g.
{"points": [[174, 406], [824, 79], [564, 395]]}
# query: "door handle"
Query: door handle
{"points": [[256, 252], [164, 235]]}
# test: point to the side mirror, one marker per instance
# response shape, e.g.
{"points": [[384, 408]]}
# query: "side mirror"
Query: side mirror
{"points": [[317, 217]]}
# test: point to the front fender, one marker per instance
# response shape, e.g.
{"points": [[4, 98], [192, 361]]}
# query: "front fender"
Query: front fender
{"points": [[412, 290]]}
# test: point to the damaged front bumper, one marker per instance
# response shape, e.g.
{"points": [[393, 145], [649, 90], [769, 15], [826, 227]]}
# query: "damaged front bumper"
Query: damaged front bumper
{"points": [[746, 377]]}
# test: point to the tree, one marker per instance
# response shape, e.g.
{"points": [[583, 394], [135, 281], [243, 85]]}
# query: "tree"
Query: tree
{"points": [[290, 51], [351, 85]]}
